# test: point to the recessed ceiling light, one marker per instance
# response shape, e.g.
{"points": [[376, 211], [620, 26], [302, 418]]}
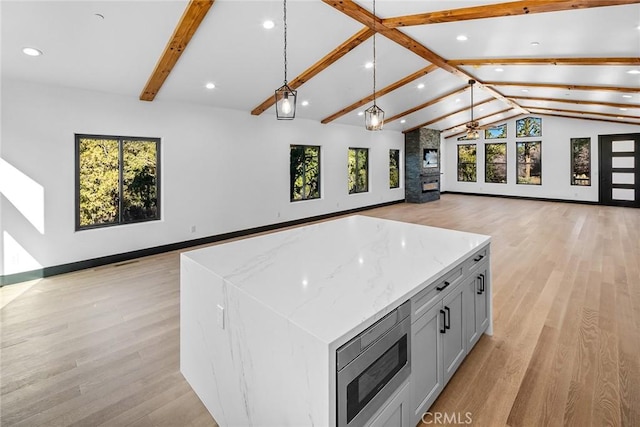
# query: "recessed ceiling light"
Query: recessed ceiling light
{"points": [[368, 65], [268, 24], [361, 113], [305, 103], [457, 99], [403, 121], [535, 43], [421, 86], [210, 85], [31, 51], [633, 72], [499, 115], [462, 38], [619, 117], [481, 109], [525, 90], [499, 70], [626, 96], [623, 109]]}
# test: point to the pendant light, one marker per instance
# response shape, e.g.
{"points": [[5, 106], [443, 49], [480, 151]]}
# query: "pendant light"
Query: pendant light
{"points": [[285, 96], [472, 127], [374, 116]]}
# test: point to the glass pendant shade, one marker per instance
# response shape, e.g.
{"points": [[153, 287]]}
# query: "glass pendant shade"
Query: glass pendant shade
{"points": [[285, 102], [374, 118]]}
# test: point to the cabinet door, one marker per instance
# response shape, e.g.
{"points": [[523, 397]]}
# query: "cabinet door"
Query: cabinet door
{"points": [[397, 413], [453, 340], [482, 298], [470, 291], [426, 360]]}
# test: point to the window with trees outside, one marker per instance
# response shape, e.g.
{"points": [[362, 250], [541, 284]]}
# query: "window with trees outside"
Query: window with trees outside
{"points": [[581, 161], [529, 162], [304, 172], [117, 180], [495, 169], [467, 162], [358, 170], [394, 168]]}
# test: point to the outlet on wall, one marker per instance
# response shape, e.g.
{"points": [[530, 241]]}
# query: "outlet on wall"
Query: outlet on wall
{"points": [[193, 228]]}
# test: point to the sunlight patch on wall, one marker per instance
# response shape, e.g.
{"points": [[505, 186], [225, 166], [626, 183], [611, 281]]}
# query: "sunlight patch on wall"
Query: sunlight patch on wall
{"points": [[16, 258], [24, 193]]}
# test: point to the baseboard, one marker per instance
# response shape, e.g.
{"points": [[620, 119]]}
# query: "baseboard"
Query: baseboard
{"points": [[40, 273], [505, 196]]}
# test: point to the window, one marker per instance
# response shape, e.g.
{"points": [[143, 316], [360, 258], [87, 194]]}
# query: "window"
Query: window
{"points": [[358, 170], [117, 180], [304, 172], [467, 162], [394, 168], [529, 126], [581, 161], [496, 132], [529, 162], [495, 156]]}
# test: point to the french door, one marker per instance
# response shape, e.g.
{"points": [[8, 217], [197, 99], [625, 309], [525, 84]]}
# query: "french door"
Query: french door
{"points": [[620, 169]]}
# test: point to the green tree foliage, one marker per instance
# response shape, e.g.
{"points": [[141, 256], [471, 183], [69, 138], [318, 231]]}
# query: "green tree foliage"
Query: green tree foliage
{"points": [[394, 168], [581, 161], [100, 169], [304, 172], [496, 163], [467, 162], [529, 126], [529, 162], [358, 166], [98, 181]]}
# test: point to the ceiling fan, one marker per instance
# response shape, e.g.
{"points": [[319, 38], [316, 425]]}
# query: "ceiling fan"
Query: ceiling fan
{"points": [[472, 126]]}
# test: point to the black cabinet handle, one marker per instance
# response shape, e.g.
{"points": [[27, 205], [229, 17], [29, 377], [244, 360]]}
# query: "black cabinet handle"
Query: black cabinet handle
{"points": [[480, 289], [478, 258], [447, 324], [439, 288], [443, 329], [482, 282]]}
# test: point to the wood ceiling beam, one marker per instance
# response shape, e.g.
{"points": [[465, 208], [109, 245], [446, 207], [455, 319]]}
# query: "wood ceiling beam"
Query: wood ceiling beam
{"points": [[577, 102], [478, 119], [566, 86], [559, 110], [444, 116], [499, 10], [424, 71], [489, 124], [351, 9], [565, 116], [427, 104], [319, 66], [544, 61], [191, 19]]}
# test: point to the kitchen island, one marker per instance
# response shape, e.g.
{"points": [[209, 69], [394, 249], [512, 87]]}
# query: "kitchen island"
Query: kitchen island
{"points": [[261, 318]]}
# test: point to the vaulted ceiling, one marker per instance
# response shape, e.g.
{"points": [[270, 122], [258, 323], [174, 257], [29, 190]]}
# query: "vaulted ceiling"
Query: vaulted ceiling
{"points": [[573, 58]]}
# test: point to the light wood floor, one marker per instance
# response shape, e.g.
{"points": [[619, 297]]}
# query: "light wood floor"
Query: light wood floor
{"points": [[100, 346]]}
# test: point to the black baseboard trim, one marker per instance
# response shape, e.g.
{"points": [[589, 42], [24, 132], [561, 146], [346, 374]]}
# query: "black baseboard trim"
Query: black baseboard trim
{"points": [[539, 199], [40, 273]]}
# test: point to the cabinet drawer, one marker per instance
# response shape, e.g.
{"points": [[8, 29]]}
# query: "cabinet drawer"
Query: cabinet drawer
{"points": [[477, 258], [433, 293]]}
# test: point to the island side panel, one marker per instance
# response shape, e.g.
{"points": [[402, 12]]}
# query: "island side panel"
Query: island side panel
{"points": [[260, 369]]}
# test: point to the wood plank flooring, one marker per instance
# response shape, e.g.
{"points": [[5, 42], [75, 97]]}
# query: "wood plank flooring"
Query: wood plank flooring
{"points": [[101, 346]]}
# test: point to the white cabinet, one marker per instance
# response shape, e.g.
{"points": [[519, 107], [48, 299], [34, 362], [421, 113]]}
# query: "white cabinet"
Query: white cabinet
{"points": [[397, 413], [454, 347]]}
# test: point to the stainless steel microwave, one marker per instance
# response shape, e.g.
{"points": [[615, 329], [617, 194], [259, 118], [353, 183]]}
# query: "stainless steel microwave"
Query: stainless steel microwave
{"points": [[372, 366]]}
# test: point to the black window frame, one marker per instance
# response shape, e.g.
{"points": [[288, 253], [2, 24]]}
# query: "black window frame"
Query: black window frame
{"points": [[395, 154], [518, 163], [304, 173], [120, 139], [572, 154], [475, 164], [357, 167], [486, 163]]}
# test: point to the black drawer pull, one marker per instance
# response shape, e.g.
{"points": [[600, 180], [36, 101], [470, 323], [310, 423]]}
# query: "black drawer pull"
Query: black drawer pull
{"points": [[478, 258], [447, 324], [480, 289], [439, 288], [443, 329]]}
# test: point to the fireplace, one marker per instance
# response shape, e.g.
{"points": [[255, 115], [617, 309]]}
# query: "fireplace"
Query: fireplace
{"points": [[430, 183]]}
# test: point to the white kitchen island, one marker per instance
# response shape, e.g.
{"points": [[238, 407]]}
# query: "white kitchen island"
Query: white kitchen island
{"points": [[261, 318]]}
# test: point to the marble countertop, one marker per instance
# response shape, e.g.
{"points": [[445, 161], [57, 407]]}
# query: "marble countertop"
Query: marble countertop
{"points": [[329, 278]]}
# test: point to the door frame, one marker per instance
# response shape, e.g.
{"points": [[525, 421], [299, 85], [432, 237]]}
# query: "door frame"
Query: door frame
{"points": [[606, 169]]}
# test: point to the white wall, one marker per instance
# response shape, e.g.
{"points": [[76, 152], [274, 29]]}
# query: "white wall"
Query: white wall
{"points": [[221, 170], [556, 161]]}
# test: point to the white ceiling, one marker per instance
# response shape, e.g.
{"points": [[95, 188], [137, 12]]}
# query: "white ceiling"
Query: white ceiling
{"points": [[117, 54]]}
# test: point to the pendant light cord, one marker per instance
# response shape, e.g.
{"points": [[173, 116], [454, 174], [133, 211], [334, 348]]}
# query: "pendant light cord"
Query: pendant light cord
{"points": [[285, 41], [374, 52]]}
